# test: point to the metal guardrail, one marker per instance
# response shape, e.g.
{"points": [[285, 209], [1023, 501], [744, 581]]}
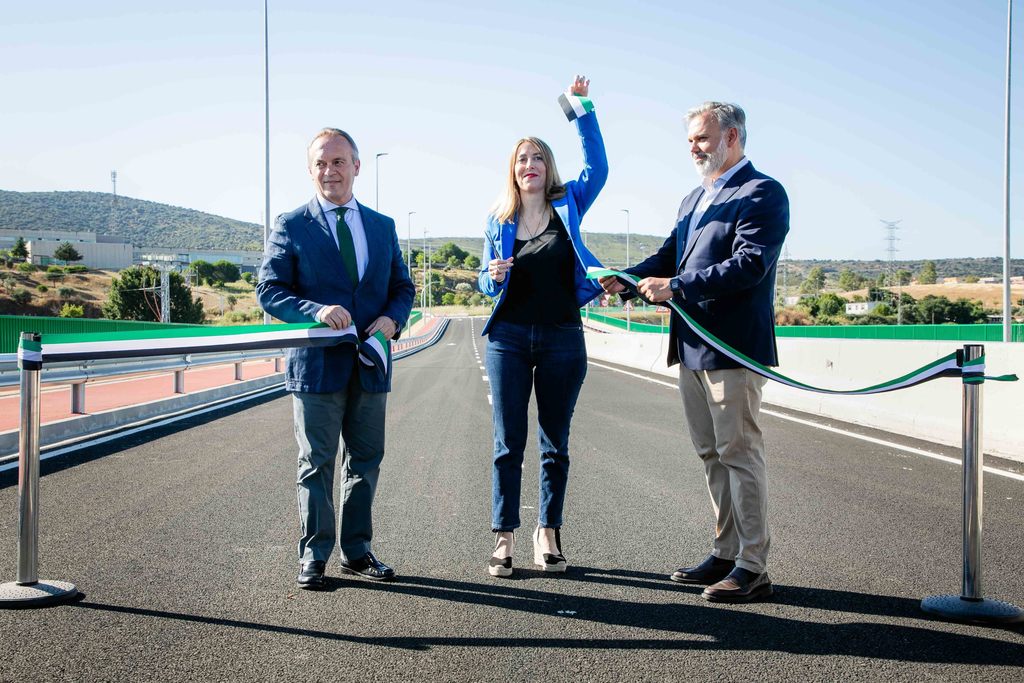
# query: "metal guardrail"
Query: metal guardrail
{"points": [[79, 374]]}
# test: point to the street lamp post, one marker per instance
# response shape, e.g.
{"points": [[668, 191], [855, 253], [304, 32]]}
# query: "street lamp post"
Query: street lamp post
{"points": [[266, 134], [408, 236], [423, 294], [626, 211], [1007, 307], [376, 173]]}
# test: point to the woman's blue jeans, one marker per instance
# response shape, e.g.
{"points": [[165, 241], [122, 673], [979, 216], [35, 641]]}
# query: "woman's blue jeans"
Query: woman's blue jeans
{"points": [[552, 361]]}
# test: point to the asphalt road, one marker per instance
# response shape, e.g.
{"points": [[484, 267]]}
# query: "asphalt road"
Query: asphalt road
{"points": [[183, 542]]}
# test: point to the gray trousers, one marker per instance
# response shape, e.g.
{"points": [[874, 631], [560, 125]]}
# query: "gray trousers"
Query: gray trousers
{"points": [[722, 407], [351, 423]]}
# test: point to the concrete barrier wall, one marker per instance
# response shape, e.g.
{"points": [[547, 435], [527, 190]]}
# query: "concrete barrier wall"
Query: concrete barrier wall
{"points": [[931, 411], [84, 425]]}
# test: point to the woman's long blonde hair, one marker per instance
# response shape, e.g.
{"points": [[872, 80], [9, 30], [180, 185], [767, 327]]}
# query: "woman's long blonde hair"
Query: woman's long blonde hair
{"points": [[508, 203]]}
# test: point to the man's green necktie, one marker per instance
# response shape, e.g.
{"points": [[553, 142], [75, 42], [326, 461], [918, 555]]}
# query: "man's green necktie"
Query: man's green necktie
{"points": [[346, 246]]}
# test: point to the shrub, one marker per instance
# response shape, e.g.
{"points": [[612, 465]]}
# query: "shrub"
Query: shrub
{"points": [[65, 292], [21, 296], [792, 316], [71, 311], [249, 277], [71, 270], [26, 267], [42, 288]]}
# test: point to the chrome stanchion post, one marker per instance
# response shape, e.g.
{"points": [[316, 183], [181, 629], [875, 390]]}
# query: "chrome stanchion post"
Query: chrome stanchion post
{"points": [[28, 590], [970, 605]]}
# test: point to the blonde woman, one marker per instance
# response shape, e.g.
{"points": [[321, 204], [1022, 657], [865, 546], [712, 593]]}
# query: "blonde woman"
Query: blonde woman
{"points": [[535, 265]]}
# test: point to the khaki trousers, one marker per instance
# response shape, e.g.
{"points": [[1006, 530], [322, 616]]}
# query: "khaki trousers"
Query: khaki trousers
{"points": [[722, 408]]}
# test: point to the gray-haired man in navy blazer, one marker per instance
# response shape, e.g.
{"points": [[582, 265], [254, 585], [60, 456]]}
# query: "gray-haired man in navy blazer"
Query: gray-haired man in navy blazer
{"points": [[719, 265], [337, 262]]}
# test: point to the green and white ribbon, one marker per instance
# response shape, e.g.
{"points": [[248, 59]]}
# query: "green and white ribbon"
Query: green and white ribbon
{"points": [[575, 106], [30, 354], [374, 351], [972, 372]]}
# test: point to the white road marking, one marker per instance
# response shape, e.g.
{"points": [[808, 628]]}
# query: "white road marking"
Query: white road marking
{"points": [[834, 430]]}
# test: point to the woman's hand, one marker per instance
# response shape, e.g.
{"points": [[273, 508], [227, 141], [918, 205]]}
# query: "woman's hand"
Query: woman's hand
{"points": [[581, 86], [498, 267]]}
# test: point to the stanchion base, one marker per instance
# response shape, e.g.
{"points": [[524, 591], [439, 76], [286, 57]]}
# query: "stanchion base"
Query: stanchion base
{"points": [[39, 594], [974, 611]]}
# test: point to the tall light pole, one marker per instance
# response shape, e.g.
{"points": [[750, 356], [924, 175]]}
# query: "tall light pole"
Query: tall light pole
{"points": [[1007, 308], [408, 238], [626, 211], [266, 138], [376, 173], [628, 304], [423, 294]]}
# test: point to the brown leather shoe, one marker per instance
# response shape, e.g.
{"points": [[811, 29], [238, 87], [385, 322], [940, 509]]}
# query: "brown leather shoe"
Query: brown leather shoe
{"points": [[740, 586], [711, 570]]}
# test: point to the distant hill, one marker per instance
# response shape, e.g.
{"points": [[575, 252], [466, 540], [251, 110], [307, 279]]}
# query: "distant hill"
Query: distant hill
{"points": [[141, 222], [160, 225]]}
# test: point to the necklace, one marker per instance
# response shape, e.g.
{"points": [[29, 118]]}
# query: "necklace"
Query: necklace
{"points": [[538, 227]]}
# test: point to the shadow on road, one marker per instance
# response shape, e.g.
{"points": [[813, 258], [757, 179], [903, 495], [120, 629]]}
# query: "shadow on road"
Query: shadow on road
{"points": [[687, 623]]}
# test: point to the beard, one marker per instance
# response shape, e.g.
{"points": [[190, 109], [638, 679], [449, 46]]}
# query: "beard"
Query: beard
{"points": [[710, 163]]}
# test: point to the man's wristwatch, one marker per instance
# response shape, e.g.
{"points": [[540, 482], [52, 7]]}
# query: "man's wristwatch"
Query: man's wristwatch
{"points": [[676, 286]]}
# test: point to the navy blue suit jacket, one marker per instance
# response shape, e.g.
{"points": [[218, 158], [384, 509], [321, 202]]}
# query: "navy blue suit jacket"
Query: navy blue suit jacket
{"points": [[302, 272], [726, 269]]}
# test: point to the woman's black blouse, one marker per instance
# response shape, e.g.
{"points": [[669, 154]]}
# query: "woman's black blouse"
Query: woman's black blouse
{"points": [[542, 280]]}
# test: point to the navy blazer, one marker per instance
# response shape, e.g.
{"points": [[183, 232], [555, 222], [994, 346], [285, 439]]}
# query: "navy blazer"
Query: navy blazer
{"points": [[726, 269], [302, 272]]}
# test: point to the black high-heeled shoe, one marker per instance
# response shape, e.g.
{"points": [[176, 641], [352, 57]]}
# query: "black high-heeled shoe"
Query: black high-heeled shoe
{"points": [[498, 566], [547, 561]]}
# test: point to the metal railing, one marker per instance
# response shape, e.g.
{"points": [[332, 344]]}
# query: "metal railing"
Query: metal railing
{"points": [[79, 374]]}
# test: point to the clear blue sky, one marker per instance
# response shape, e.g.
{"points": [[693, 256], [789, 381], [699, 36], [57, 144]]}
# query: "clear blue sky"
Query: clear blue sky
{"points": [[863, 110]]}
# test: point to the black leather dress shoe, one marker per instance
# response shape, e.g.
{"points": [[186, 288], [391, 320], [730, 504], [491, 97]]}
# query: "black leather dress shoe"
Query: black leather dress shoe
{"points": [[369, 567], [311, 575], [711, 570], [741, 585]]}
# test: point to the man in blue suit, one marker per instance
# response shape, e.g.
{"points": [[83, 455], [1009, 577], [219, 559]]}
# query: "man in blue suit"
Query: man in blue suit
{"points": [[337, 262], [719, 265]]}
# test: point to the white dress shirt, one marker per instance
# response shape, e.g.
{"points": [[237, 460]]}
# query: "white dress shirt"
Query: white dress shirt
{"points": [[711, 190], [355, 226]]}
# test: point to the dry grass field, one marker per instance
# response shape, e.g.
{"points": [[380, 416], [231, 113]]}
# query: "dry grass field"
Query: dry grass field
{"points": [[990, 295]]}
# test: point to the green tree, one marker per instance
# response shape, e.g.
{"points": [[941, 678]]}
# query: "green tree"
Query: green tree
{"points": [[814, 282], [55, 273], [472, 262], [66, 252], [65, 292], [831, 304], [20, 249], [25, 267], [903, 277], [203, 270], [849, 280], [21, 296], [135, 295], [971, 279], [965, 312], [927, 276], [225, 271], [449, 250], [72, 311], [249, 278], [6, 258]]}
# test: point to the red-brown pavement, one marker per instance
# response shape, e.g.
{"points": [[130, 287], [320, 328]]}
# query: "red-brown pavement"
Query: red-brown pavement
{"points": [[55, 402]]}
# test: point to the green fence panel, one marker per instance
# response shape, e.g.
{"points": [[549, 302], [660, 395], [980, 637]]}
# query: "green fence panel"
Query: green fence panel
{"points": [[981, 332], [11, 327]]}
